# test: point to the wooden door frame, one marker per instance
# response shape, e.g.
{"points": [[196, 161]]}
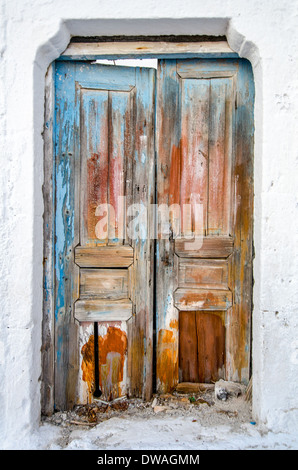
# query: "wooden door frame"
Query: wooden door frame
{"points": [[138, 48]]}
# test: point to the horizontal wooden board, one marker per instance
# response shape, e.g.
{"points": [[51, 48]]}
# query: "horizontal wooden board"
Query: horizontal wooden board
{"points": [[203, 273], [103, 310], [206, 74], [104, 256], [208, 247], [80, 50], [202, 299], [104, 283], [206, 68]]}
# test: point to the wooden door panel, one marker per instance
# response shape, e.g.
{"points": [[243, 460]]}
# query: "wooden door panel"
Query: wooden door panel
{"points": [[104, 173], [205, 109], [104, 154], [104, 256], [194, 272], [201, 346], [104, 283]]}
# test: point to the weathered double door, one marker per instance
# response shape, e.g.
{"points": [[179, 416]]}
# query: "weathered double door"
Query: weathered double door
{"points": [[153, 178]]}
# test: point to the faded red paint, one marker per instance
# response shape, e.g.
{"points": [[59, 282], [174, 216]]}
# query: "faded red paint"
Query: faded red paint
{"points": [[97, 173]]}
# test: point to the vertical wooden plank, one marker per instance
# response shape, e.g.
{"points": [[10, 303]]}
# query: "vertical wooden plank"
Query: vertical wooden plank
{"points": [[110, 113], [194, 150], [141, 325], [48, 352], [119, 102], [94, 161], [220, 140], [168, 135], [66, 235], [225, 125], [239, 317], [211, 346], [201, 346], [188, 348]]}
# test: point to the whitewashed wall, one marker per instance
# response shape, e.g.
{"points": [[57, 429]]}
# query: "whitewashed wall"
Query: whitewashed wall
{"points": [[32, 34]]}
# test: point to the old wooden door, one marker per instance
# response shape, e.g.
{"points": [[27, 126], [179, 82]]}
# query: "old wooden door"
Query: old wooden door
{"points": [[180, 274], [204, 265], [104, 170]]}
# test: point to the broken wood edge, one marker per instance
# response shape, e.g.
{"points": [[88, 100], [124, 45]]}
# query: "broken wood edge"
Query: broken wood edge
{"points": [[191, 387], [82, 423]]}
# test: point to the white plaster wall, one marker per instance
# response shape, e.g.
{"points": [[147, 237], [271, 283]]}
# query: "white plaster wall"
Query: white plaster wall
{"points": [[35, 32]]}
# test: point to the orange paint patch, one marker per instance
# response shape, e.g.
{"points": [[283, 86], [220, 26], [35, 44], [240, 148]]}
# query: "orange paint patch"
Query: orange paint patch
{"points": [[174, 183], [112, 351], [87, 366], [174, 324], [167, 360]]}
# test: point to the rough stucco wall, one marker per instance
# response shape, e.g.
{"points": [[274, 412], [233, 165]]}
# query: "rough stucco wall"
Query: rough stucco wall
{"points": [[33, 33]]}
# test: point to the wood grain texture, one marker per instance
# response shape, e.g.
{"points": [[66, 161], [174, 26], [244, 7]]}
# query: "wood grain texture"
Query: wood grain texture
{"points": [[220, 157], [104, 148], [94, 141], [202, 273], [140, 337], [103, 310], [66, 235], [192, 387], [48, 326], [194, 124], [207, 159], [203, 299], [104, 283], [104, 162], [210, 247], [201, 347], [104, 256], [168, 192], [83, 51]]}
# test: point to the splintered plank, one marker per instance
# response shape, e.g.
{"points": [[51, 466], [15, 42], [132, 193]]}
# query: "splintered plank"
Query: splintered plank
{"points": [[104, 256], [193, 387]]}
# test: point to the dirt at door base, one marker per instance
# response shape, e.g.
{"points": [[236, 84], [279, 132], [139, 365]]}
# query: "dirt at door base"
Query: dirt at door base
{"points": [[201, 407]]}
